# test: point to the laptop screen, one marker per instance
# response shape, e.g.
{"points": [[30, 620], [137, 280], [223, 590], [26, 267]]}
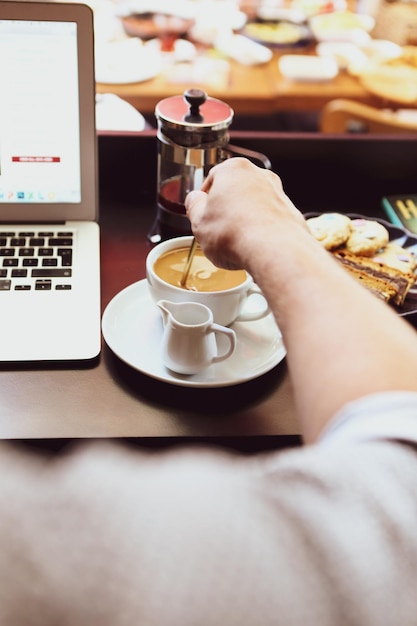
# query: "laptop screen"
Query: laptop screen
{"points": [[39, 117], [48, 168]]}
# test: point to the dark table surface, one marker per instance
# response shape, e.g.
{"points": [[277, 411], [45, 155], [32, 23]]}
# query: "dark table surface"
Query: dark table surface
{"points": [[109, 399]]}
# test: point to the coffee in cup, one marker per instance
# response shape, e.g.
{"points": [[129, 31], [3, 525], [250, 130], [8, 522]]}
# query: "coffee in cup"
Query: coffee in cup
{"points": [[203, 275], [240, 301]]}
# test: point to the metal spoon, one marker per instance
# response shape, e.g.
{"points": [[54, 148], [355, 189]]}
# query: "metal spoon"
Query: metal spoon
{"points": [[188, 262]]}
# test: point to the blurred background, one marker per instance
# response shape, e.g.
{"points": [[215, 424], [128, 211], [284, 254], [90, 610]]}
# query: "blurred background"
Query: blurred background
{"points": [[282, 65]]}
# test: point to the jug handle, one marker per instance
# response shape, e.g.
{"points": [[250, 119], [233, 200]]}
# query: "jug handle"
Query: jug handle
{"points": [[252, 155], [231, 336]]}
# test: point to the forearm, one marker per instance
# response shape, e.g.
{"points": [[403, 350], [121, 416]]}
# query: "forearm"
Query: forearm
{"points": [[342, 342]]}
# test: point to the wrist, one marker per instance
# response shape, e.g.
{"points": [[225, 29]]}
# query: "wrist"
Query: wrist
{"points": [[281, 248]]}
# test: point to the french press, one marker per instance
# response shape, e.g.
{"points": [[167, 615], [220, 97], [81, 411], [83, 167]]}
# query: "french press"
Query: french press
{"points": [[192, 137]]}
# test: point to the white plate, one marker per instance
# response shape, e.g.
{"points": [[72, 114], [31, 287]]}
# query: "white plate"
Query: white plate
{"points": [[132, 328], [342, 26], [126, 61], [344, 53], [278, 13], [244, 50], [305, 68], [113, 113]]}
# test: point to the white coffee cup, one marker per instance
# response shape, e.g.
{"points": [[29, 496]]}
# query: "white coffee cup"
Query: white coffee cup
{"points": [[228, 306]]}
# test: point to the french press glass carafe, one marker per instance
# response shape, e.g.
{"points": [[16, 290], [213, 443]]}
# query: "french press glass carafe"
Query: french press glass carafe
{"points": [[192, 137]]}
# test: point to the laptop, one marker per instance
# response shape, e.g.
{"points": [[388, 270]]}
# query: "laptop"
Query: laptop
{"points": [[49, 235]]}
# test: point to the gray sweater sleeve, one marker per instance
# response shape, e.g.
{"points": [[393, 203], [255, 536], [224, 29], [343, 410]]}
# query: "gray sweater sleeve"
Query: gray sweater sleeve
{"points": [[110, 536]]}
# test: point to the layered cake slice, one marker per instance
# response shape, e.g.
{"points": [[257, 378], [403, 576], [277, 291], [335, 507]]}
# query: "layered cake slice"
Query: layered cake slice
{"points": [[389, 283]]}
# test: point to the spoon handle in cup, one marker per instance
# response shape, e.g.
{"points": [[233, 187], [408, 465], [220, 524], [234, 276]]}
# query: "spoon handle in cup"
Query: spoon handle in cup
{"points": [[188, 262]]}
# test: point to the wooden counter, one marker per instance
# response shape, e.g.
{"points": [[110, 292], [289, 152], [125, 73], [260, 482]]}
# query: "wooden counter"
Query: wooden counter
{"points": [[251, 90]]}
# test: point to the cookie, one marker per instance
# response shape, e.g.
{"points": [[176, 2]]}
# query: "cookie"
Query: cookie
{"points": [[394, 255], [366, 237], [330, 229]]}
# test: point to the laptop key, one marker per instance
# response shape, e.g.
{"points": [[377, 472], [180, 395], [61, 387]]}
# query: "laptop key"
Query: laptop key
{"points": [[5, 285], [18, 241], [52, 272], [48, 262], [65, 287], [43, 285], [60, 241], [66, 256], [19, 273], [22, 288]]}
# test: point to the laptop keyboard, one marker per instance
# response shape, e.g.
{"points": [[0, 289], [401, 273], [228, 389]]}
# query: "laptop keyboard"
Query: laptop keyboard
{"points": [[40, 261]]}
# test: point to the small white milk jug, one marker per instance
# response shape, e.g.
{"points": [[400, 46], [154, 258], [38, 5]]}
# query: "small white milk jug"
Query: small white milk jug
{"points": [[189, 340]]}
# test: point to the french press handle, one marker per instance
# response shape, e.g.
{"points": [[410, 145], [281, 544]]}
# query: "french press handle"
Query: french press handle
{"points": [[252, 155]]}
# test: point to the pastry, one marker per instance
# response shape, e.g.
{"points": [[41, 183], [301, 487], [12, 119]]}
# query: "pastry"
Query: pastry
{"points": [[366, 237], [396, 256], [389, 283], [330, 229]]}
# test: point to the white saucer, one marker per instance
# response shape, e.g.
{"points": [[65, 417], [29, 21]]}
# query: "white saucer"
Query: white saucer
{"points": [[132, 328]]}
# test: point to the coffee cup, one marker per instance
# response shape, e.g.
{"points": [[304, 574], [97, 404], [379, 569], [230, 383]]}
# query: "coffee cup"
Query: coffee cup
{"points": [[232, 296]]}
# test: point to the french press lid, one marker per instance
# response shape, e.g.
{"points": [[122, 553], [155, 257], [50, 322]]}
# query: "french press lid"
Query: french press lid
{"points": [[193, 118]]}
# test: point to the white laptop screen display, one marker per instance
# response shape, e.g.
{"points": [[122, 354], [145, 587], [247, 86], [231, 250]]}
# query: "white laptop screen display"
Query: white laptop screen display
{"points": [[39, 113]]}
